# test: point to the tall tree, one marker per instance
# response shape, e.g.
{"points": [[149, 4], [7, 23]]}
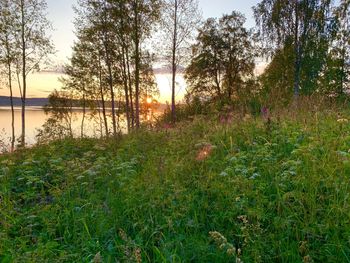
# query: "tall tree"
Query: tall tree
{"points": [[180, 19], [304, 23], [343, 43], [223, 58], [144, 13], [8, 52], [95, 21], [34, 44]]}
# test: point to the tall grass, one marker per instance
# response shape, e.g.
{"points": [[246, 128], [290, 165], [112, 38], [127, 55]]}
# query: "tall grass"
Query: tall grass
{"points": [[276, 192]]}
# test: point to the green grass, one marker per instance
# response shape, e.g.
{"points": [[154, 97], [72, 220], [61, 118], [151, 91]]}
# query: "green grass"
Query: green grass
{"points": [[264, 194]]}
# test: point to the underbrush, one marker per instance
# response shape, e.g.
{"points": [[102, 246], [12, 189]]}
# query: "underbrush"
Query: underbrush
{"points": [[205, 191]]}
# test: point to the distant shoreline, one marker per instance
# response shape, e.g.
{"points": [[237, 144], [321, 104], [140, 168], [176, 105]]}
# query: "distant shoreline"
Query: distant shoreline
{"points": [[17, 102]]}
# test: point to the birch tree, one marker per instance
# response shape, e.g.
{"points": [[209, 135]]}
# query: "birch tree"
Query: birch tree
{"points": [[180, 19], [300, 22], [8, 52], [33, 42]]}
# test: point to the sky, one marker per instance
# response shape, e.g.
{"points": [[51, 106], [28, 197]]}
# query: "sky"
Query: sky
{"points": [[61, 14]]}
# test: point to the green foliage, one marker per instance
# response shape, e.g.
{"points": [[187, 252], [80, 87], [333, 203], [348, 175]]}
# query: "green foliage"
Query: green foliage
{"points": [[222, 59], [304, 31], [261, 194]]}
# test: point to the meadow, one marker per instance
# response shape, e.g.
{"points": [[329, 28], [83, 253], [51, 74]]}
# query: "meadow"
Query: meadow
{"points": [[249, 190]]}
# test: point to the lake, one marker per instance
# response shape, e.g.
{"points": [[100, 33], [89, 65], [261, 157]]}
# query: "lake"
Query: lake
{"points": [[36, 117]]}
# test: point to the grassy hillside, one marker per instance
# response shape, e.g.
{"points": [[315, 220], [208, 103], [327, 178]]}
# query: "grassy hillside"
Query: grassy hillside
{"points": [[203, 192]]}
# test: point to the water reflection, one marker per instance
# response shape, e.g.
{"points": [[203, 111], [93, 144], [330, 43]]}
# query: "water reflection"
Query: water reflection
{"points": [[36, 117]]}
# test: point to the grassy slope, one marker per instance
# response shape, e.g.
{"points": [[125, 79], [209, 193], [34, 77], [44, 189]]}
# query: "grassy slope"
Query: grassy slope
{"points": [[278, 195]]}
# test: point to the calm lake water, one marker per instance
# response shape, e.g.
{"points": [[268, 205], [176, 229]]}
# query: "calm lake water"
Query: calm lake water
{"points": [[35, 118]]}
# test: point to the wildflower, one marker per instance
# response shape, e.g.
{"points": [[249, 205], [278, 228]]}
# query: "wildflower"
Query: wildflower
{"points": [[138, 256], [343, 120], [247, 117], [243, 218], [265, 113], [226, 119], [217, 237], [307, 259], [303, 248], [98, 258], [231, 251], [99, 148], [123, 235], [223, 174]]}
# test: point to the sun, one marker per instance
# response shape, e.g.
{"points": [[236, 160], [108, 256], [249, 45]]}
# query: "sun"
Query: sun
{"points": [[149, 100]]}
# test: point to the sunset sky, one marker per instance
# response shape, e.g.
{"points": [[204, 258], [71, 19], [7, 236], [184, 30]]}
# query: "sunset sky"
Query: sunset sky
{"points": [[61, 14]]}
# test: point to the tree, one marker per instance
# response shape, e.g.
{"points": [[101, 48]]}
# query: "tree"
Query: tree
{"points": [[342, 45], [144, 13], [95, 22], [111, 34], [34, 43], [59, 124], [222, 59], [303, 23], [277, 78], [180, 18], [8, 52]]}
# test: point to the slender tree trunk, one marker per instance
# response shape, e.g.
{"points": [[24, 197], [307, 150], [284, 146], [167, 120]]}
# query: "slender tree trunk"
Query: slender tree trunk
{"points": [[297, 53], [118, 113], [343, 73], [84, 113], [110, 75], [99, 116], [110, 81], [13, 138], [174, 66], [111, 89], [24, 76], [102, 98], [126, 90], [130, 89], [137, 64]]}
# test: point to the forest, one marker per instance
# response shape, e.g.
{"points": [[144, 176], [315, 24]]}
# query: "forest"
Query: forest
{"points": [[252, 165]]}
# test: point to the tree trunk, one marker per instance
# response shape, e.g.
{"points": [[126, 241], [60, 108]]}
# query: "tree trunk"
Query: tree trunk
{"points": [[102, 98], [110, 81], [137, 64], [343, 73], [84, 112], [130, 89], [24, 76], [110, 74], [98, 104], [174, 66], [297, 53], [111, 89], [126, 90], [13, 137]]}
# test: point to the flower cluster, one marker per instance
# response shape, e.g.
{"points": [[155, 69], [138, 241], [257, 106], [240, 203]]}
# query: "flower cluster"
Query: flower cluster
{"points": [[224, 245]]}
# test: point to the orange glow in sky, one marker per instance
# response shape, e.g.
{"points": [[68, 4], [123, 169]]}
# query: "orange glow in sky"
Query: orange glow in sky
{"points": [[62, 16], [40, 85]]}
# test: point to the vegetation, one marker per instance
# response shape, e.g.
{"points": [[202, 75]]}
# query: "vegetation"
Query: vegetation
{"points": [[24, 46], [179, 19], [256, 168], [251, 190]]}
